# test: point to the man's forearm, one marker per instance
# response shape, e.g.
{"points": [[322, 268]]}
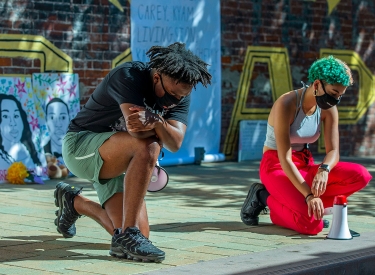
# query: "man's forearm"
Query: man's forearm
{"points": [[170, 136], [143, 134]]}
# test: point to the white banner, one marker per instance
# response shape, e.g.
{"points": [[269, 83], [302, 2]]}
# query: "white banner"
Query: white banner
{"points": [[197, 24]]}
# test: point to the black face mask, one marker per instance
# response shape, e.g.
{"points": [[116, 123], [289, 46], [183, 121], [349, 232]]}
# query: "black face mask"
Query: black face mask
{"points": [[166, 101], [326, 101]]}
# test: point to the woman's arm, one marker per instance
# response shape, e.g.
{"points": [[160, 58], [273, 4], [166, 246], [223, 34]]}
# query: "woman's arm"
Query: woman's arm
{"points": [[282, 116], [330, 120]]}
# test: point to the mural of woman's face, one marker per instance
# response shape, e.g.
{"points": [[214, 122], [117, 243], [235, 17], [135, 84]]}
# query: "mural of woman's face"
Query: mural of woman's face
{"points": [[11, 125], [57, 121]]}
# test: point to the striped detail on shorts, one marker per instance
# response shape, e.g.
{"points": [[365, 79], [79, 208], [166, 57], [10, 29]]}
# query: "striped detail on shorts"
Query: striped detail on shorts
{"points": [[85, 157]]}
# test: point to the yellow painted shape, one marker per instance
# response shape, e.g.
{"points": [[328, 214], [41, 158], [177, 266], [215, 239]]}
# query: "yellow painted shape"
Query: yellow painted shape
{"points": [[351, 114], [51, 58], [332, 4], [277, 60], [17, 75], [124, 57], [117, 4], [366, 93]]}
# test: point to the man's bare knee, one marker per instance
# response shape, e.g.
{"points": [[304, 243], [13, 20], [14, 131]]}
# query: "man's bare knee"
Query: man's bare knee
{"points": [[148, 149]]}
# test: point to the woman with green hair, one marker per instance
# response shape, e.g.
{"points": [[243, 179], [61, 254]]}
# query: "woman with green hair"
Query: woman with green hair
{"points": [[297, 190]]}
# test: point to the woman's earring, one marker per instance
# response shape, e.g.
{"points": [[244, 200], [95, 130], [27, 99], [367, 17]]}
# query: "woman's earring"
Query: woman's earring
{"points": [[315, 92]]}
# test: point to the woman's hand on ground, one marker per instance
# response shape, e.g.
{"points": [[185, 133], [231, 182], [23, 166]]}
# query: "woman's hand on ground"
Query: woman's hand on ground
{"points": [[315, 207]]}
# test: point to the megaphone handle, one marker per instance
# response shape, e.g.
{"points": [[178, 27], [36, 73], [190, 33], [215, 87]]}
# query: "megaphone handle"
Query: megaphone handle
{"points": [[155, 173]]}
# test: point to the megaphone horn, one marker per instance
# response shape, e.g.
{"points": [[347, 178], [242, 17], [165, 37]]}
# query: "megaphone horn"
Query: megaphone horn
{"points": [[340, 229], [159, 179]]}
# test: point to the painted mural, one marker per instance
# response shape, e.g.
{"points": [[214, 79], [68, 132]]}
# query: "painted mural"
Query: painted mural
{"points": [[21, 126], [57, 95]]}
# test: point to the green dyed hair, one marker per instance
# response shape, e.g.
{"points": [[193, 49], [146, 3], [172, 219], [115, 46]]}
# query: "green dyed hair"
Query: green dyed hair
{"points": [[331, 70]]}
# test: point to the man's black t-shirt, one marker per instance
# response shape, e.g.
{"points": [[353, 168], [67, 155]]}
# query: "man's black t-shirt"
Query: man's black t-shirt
{"points": [[129, 82]]}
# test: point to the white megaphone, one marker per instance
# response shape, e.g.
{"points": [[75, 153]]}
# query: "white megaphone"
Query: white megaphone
{"points": [[159, 179], [340, 229]]}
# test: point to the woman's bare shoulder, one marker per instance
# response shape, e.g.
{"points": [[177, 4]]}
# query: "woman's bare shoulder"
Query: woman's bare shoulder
{"points": [[287, 99], [284, 106]]}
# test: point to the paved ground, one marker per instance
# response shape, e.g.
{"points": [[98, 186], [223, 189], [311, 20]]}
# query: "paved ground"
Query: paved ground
{"points": [[195, 220]]}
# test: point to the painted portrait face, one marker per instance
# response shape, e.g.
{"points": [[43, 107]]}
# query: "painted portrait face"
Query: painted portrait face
{"points": [[57, 121], [11, 122]]}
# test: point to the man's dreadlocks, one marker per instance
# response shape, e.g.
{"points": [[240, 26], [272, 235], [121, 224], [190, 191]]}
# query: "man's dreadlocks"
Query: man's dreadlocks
{"points": [[179, 63]]}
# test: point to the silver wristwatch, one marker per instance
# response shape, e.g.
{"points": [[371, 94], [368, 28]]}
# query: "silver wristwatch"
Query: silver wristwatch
{"points": [[325, 167]]}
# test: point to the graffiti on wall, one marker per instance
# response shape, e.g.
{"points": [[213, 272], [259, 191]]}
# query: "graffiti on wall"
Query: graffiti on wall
{"points": [[126, 56], [36, 47], [295, 23], [52, 100], [293, 26], [276, 61]]}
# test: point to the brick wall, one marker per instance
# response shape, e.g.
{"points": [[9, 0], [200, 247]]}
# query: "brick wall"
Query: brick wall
{"points": [[303, 27], [91, 32], [94, 32]]}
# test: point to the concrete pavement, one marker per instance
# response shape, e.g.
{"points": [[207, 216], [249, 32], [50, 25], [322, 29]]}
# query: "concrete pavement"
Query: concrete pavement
{"points": [[195, 220]]}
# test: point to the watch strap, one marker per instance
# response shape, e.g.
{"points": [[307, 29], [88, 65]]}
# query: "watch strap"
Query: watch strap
{"points": [[325, 167]]}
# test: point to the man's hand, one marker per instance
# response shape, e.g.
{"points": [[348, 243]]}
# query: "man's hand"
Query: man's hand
{"points": [[141, 120], [141, 123], [319, 183], [315, 207]]}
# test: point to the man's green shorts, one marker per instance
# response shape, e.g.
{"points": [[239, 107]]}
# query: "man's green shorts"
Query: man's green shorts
{"points": [[80, 151]]}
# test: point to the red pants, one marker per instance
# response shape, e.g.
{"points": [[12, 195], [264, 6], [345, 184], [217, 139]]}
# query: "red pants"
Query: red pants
{"points": [[287, 205]]}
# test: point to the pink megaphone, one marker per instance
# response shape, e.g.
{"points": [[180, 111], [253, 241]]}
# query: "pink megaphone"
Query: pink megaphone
{"points": [[159, 179]]}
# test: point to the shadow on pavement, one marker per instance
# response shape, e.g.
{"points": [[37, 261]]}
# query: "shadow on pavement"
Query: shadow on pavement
{"points": [[230, 226], [21, 248]]}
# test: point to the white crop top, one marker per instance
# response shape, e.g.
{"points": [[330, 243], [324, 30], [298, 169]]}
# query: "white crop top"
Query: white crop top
{"points": [[304, 129]]}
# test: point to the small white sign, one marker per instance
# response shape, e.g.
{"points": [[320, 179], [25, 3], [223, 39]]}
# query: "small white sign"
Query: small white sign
{"points": [[251, 141]]}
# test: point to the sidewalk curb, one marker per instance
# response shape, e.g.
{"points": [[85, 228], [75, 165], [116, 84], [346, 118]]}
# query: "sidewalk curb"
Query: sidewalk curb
{"points": [[352, 257]]}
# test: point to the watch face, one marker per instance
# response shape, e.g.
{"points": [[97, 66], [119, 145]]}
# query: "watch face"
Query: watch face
{"points": [[325, 167]]}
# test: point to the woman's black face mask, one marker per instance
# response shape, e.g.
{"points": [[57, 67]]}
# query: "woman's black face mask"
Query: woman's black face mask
{"points": [[326, 101], [167, 100]]}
